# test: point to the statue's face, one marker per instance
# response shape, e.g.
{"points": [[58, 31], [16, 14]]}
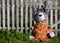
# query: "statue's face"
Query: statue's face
{"points": [[41, 16]]}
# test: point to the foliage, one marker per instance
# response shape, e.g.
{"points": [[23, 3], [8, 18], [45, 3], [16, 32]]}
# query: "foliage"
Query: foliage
{"points": [[17, 37]]}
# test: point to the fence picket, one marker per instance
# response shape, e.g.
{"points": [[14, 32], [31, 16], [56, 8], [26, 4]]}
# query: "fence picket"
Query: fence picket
{"points": [[51, 18], [3, 12], [21, 15], [56, 10], [13, 14], [17, 14], [8, 14], [30, 14], [26, 16], [47, 19], [56, 20], [0, 15]]}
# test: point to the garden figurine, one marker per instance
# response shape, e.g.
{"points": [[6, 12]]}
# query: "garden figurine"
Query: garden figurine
{"points": [[41, 31]]}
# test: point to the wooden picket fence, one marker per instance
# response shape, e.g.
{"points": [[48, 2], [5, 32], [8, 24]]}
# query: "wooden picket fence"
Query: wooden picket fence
{"points": [[18, 14]]}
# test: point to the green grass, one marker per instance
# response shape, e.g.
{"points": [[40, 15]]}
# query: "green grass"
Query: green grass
{"points": [[17, 37]]}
